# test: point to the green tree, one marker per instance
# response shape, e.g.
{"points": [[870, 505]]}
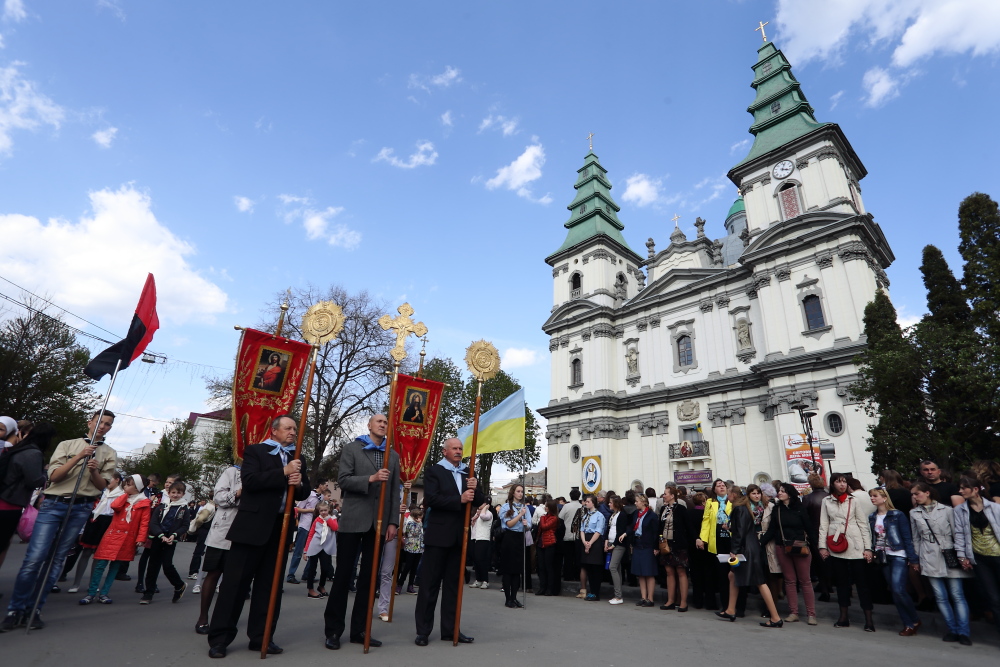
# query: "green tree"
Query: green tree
{"points": [[216, 456], [451, 416], [176, 454], [41, 372], [959, 392], [495, 390], [890, 388]]}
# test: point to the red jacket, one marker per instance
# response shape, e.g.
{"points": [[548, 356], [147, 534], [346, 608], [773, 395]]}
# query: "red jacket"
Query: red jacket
{"points": [[547, 530], [330, 521], [119, 540]]}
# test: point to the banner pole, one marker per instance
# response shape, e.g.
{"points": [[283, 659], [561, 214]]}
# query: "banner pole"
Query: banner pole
{"points": [[376, 568], [72, 498], [525, 575], [279, 563], [468, 515]]}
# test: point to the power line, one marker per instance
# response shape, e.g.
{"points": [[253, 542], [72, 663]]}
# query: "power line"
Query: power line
{"points": [[165, 421], [59, 307]]}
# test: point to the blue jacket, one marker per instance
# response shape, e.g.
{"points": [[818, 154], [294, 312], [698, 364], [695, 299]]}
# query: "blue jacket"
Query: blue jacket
{"points": [[897, 533]]}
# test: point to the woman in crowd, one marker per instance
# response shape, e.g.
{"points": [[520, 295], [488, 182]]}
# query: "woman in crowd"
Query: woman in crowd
{"points": [[99, 521], [21, 472], [547, 550], [227, 492], [932, 526], [768, 494], [673, 549], [643, 537], [701, 567], [752, 571], [788, 532], [616, 541], [893, 549], [987, 472], [977, 540], [591, 539], [482, 528], [514, 521], [845, 541], [894, 485], [715, 537]]}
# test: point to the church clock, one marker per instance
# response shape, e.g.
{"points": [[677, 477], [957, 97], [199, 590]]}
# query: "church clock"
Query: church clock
{"points": [[783, 169]]}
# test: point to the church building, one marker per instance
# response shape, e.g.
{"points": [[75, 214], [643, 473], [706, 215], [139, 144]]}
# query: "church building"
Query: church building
{"points": [[705, 358]]}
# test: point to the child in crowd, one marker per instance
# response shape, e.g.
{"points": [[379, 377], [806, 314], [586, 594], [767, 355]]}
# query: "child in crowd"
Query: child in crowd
{"points": [[129, 525], [321, 545], [167, 526], [413, 550]]}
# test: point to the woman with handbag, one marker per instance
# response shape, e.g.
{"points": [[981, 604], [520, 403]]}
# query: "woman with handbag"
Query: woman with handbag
{"points": [[846, 543], [977, 539], [592, 547], [933, 528], [674, 549], [21, 472], [893, 548], [644, 538], [789, 532]]}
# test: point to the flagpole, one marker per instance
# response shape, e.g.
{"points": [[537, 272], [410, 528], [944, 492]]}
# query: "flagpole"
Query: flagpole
{"points": [[468, 515], [76, 488], [279, 563], [376, 567], [525, 575]]}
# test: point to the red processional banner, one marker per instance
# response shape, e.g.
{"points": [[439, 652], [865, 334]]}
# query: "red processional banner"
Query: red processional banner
{"points": [[414, 418], [269, 372]]}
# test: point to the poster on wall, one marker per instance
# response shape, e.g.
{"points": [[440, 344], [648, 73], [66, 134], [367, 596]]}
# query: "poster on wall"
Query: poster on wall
{"points": [[592, 474], [800, 462]]}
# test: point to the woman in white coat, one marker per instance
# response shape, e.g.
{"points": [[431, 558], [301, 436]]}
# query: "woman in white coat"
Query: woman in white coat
{"points": [[845, 541]]}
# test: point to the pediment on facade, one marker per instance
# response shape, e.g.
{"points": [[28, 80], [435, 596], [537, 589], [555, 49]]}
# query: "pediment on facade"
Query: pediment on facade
{"points": [[807, 229], [569, 311], [674, 280], [793, 229]]}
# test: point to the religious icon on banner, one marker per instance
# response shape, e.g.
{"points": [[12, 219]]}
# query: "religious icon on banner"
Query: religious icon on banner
{"points": [[414, 418], [269, 372]]}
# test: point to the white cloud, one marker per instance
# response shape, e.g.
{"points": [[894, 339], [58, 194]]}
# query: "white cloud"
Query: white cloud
{"points": [[318, 222], [450, 76], [244, 204], [22, 107], [739, 146], [525, 169], [446, 119], [905, 319], [506, 125], [105, 137], [113, 7], [880, 87], [519, 357], [835, 99], [641, 190], [13, 11], [57, 258], [424, 157]]}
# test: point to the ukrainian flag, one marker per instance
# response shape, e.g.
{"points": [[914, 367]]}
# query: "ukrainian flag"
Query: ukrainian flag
{"points": [[500, 429]]}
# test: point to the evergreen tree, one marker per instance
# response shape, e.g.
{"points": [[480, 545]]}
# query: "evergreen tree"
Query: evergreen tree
{"points": [[450, 415], [890, 390]]}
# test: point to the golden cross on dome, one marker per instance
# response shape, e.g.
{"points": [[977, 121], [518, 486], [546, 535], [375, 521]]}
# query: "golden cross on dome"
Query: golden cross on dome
{"points": [[590, 138], [402, 326], [761, 28], [675, 219]]}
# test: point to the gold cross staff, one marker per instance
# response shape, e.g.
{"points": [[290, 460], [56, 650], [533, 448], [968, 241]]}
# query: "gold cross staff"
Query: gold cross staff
{"points": [[761, 28], [590, 138], [403, 327]]}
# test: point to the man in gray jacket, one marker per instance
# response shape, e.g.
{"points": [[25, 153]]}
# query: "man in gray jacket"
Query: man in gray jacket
{"points": [[365, 466]]}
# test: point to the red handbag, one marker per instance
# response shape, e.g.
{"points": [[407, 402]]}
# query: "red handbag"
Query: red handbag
{"points": [[838, 543]]}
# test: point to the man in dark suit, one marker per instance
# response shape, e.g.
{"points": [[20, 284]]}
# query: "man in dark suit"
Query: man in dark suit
{"points": [[448, 489], [267, 472], [365, 466]]}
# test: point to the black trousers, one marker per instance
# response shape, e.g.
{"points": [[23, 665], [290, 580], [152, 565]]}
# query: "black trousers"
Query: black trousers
{"points": [[594, 575], [408, 567], [548, 570], [570, 560], [349, 546], [440, 564], [325, 570], [161, 555], [851, 570], [247, 564], [482, 552], [199, 551]]}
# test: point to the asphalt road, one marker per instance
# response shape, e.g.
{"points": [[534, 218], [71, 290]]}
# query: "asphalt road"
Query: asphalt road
{"points": [[550, 632]]}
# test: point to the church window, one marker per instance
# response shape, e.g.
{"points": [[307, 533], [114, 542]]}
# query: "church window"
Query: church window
{"points": [[576, 372], [814, 312], [575, 284], [775, 107], [691, 434], [583, 208], [834, 424], [789, 199], [685, 351]]}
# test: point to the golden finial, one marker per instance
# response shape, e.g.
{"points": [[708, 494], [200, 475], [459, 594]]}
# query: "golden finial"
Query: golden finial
{"points": [[761, 28]]}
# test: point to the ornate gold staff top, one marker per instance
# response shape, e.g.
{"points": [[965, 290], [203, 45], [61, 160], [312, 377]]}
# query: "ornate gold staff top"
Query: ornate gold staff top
{"points": [[483, 360], [322, 322], [403, 326]]}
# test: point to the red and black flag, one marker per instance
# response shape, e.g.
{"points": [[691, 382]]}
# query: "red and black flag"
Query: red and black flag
{"points": [[140, 333]]}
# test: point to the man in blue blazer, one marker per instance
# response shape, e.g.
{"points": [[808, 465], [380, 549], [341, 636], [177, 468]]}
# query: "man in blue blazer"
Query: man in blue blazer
{"points": [[448, 490]]}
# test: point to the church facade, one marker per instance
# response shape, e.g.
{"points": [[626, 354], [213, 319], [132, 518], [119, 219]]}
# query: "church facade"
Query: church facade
{"points": [[700, 359]]}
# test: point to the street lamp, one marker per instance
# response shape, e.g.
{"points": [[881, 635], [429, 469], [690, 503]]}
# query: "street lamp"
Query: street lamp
{"points": [[806, 419]]}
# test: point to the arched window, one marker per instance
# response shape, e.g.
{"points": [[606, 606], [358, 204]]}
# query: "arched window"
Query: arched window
{"points": [[575, 284], [814, 312], [685, 352], [788, 197], [576, 372]]}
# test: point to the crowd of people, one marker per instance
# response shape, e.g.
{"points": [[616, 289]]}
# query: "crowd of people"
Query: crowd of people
{"points": [[924, 543]]}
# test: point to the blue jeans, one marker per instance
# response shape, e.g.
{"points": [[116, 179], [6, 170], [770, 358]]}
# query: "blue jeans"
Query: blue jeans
{"points": [[43, 536], [956, 611], [896, 576], [300, 544]]}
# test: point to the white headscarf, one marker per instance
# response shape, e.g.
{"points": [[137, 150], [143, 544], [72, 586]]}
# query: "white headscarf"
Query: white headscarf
{"points": [[11, 425], [134, 498]]}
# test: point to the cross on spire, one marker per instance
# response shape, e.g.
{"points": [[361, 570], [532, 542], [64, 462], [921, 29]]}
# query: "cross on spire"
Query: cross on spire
{"points": [[761, 28], [675, 219], [590, 138]]}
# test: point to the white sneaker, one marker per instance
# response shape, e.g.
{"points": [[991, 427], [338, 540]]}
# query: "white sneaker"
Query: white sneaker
{"points": [[615, 601], [474, 584], [193, 576], [196, 589], [73, 589], [384, 617], [484, 584]]}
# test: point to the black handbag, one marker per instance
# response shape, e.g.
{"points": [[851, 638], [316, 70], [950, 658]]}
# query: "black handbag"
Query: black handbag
{"points": [[950, 555], [792, 547]]}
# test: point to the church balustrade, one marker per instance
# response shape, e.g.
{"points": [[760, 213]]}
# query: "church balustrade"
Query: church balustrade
{"points": [[690, 450]]}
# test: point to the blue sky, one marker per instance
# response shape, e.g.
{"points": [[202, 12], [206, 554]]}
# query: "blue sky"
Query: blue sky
{"points": [[426, 151]]}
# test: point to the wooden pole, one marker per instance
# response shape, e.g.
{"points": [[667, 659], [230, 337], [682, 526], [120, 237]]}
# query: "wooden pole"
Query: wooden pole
{"points": [[381, 510], [468, 515], [279, 564]]}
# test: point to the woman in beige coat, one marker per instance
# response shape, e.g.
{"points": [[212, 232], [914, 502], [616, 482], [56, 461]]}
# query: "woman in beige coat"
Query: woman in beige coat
{"points": [[842, 516]]}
